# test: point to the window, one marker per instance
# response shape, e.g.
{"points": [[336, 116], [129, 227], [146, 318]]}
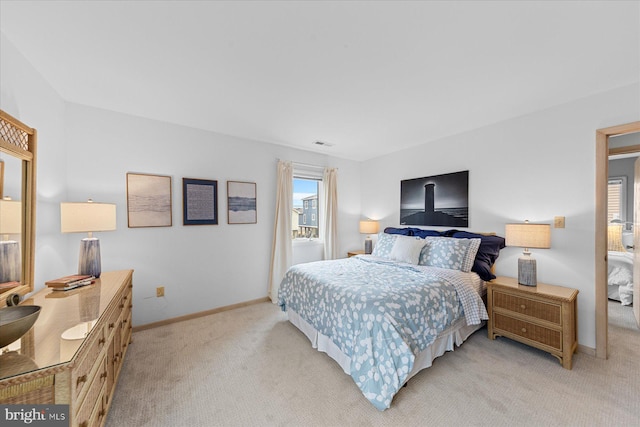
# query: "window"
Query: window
{"points": [[305, 222], [617, 200]]}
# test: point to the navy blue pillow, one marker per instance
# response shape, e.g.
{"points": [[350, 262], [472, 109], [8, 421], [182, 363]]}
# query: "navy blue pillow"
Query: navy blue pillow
{"points": [[487, 253], [412, 231], [424, 233], [393, 230]]}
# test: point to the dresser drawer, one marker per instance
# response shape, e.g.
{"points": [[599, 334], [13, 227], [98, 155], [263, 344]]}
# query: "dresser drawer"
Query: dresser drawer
{"points": [[112, 322], [81, 375], [528, 330], [93, 403], [518, 304]]}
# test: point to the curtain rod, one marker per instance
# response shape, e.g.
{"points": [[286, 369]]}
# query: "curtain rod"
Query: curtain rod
{"points": [[307, 165]]}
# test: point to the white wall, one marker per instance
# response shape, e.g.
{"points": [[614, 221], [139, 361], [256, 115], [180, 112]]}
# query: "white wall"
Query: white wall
{"points": [[533, 167], [28, 97], [201, 267], [86, 152]]}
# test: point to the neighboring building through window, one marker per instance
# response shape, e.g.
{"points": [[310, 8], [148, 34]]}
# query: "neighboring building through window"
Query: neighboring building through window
{"points": [[305, 207]]}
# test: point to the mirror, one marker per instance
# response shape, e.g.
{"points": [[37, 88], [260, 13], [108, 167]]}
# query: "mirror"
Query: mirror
{"points": [[17, 206]]}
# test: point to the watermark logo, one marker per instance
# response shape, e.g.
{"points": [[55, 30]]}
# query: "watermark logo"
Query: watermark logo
{"points": [[34, 415]]}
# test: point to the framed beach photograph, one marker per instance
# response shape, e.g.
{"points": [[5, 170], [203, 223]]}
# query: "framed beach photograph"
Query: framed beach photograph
{"points": [[241, 202], [436, 200], [148, 200], [199, 201]]}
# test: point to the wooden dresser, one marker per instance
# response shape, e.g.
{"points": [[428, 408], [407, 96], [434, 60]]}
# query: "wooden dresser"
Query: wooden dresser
{"points": [[543, 316], [74, 352]]}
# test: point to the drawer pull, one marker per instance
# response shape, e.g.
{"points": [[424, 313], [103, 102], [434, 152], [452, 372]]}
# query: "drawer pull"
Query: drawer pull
{"points": [[112, 325], [522, 306], [122, 305], [103, 375], [81, 379], [83, 424], [524, 330], [102, 341]]}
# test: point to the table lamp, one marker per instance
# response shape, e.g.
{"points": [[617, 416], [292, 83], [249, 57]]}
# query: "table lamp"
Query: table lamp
{"points": [[368, 227], [88, 217], [10, 223], [527, 236]]}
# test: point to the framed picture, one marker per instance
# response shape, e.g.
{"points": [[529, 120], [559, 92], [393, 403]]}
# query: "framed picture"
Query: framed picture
{"points": [[241, 202], [148, 200], [199, 201], [436, 200]]}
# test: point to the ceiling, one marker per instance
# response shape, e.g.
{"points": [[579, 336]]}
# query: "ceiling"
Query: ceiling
{"points": [[367, 77]]}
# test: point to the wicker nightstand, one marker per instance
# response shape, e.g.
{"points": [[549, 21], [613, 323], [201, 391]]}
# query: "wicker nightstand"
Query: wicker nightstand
{"points": [[543, 316]]}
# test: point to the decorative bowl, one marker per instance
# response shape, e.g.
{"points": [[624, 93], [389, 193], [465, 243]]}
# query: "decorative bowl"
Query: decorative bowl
{"points": [[16, 321]]}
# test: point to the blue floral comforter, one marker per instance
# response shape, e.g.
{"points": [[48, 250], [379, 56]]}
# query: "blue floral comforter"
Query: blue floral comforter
{"points": [[379, 313]]}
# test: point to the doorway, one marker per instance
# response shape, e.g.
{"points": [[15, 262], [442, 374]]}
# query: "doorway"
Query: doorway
{"points": [[601, 296]]}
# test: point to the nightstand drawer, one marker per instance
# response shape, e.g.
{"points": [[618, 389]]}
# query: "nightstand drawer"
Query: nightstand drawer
{"points": [[537, 309], [530, 331]]}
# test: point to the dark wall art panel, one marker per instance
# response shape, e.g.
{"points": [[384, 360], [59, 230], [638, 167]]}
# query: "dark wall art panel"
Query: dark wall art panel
{"points": [[436, 200]]}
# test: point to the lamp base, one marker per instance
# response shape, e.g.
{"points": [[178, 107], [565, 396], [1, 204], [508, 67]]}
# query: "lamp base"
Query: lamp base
{"points": [[9, 261], [368, 246], [527, 271], [89, 261]]}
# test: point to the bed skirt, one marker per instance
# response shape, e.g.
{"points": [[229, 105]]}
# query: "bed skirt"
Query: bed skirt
{"points": [[453, 336]]}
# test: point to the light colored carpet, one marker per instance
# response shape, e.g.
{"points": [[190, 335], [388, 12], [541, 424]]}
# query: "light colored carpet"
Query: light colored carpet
{"points": [[250, 367]]}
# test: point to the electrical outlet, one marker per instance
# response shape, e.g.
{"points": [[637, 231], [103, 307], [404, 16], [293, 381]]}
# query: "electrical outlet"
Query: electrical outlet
{"points": [[160, 291]]}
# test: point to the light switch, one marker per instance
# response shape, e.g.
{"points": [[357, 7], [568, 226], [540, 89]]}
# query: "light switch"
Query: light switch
{"points": [[558, 222]]}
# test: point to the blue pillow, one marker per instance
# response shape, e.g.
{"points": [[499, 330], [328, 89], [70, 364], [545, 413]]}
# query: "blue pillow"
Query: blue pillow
{"points": [[447, 252], [384, 245], [424, 233], [412, 231], [487, 253], [393, 230]]}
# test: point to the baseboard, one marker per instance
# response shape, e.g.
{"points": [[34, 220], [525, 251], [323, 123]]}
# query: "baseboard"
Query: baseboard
{"points": [[199, 314], [586, 350]]}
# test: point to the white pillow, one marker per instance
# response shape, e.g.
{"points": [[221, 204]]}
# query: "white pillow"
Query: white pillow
{"points": [[407, 249]]}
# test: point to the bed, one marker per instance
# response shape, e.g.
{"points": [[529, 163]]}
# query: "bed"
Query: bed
{"points": [[620, 265], [620, 277], [384, 317]]}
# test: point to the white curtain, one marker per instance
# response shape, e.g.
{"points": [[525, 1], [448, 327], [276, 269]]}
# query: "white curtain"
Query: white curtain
{"points": [[281, 250], [330, 213]]}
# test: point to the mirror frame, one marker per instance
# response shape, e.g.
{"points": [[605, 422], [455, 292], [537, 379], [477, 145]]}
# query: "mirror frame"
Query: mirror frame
{"points": [[20, 140]]}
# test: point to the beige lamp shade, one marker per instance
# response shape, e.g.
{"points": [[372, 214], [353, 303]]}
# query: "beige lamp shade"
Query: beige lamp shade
{"points": [[87, 217], [10, 216], [369, 227], [527, 235]]}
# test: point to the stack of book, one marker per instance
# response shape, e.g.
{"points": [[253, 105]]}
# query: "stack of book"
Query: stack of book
{"points": [[70, 282]]}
